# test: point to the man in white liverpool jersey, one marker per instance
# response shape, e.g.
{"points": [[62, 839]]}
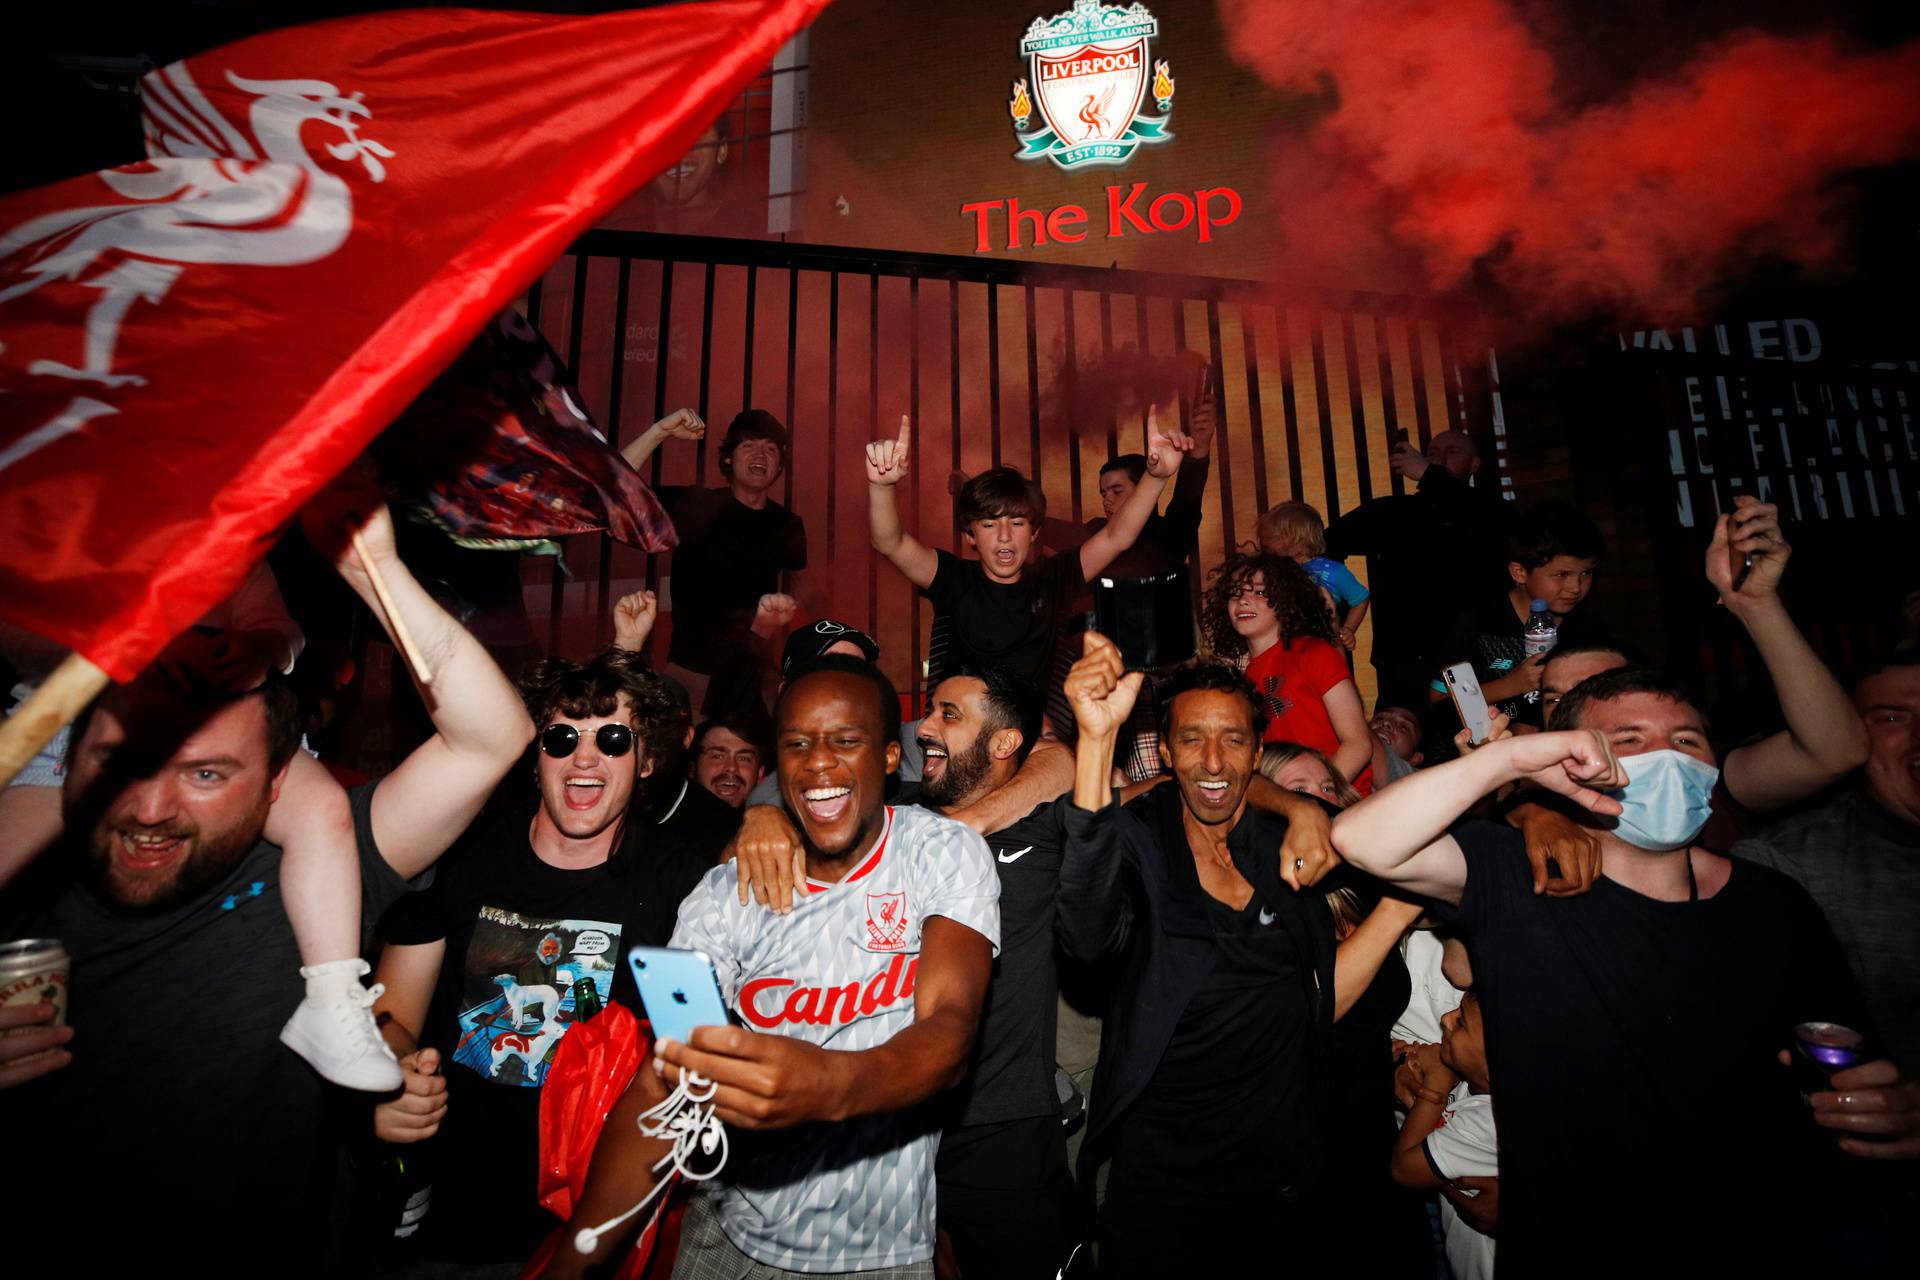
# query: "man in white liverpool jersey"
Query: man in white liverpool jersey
{"points": [[859, 1005]]}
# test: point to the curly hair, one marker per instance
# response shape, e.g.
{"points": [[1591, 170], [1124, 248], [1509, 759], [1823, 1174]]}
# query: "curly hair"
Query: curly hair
{"points": [[1295, 598], [553, 688]]}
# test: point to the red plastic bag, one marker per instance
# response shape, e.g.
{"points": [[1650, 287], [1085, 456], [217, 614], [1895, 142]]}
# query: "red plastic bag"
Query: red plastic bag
{"points": [[592, 1068]]}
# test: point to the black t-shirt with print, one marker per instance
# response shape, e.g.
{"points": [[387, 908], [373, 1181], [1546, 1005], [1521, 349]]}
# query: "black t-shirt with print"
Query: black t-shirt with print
{"points": [[523, 940], [1631, 1046]]}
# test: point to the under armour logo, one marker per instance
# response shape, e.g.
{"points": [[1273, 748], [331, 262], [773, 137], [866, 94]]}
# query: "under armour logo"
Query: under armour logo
{"points": [[1276, 705]]}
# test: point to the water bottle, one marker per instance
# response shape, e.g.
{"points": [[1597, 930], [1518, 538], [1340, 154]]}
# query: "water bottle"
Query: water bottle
{"points": [[1540, 634]]}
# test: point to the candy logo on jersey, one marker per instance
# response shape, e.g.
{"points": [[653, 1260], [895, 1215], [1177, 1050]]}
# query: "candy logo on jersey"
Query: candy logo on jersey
{"points": [[1088, 66], [824, 1005], [886, 921]]}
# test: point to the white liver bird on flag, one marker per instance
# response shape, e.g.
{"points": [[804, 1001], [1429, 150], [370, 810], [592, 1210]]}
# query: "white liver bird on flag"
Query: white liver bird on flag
{"points": [[209, 195]]}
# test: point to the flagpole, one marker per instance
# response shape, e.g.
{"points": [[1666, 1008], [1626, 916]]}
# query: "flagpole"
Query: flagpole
{"points": [[395, 623], [51, 707]]}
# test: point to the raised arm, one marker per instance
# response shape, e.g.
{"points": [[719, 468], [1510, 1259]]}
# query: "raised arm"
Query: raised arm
{"points": [[480, 725], [1164, 451], [1399, 832], [1094, 915], [1183, 513], [886, 468], [633, 617], [1824, 739], [681, 424]]}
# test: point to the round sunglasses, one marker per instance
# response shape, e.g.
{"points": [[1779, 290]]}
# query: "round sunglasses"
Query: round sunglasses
{"points": [[559, 740]]}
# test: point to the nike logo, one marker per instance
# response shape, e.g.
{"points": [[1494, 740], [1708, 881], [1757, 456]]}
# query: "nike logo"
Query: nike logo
{"points": [[1267, 917], [1016, 856]]}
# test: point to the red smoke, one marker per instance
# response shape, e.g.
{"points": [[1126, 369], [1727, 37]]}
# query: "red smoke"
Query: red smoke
{"points": [[1448, 152]]}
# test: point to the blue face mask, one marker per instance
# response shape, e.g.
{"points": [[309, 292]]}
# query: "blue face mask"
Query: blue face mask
{"points": [[1666, 801]]}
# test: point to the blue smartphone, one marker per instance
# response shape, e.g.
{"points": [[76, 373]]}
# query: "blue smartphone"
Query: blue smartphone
{"points": [[679, 989]]}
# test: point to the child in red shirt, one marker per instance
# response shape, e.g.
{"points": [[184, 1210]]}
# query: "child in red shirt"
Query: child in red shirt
{"points": [[1266, 608]]}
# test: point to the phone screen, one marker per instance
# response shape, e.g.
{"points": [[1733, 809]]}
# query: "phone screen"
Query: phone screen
{"points": [[679, 990]]}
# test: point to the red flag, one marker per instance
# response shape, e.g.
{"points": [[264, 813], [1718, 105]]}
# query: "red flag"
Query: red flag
{"points": [[191, 345]]}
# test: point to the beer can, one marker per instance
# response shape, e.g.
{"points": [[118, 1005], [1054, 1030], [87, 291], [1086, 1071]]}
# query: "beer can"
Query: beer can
{"points": [[34, 971], [1821, 1051]]}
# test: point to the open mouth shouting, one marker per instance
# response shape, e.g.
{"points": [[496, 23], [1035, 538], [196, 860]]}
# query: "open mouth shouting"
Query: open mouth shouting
{"points": [[1213, 792], [145, 852], [827, 805], [936, 759], [730, 787], [583, 791]]}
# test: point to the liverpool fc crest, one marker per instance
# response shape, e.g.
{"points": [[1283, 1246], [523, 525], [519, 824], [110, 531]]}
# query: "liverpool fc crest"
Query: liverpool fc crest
{"points": [[1088, 71]]}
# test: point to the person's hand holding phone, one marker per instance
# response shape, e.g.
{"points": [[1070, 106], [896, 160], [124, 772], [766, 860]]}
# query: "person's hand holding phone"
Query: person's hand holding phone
{"points": [[1748, 555], [1405, 460], [1497, 728], [762, 1082]]}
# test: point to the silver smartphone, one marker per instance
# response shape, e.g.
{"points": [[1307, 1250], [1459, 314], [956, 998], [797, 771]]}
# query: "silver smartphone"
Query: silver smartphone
{"points": [[1469, 701]]}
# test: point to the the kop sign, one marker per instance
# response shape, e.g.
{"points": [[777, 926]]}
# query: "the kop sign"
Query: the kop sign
{"points": [[1082, 105]]}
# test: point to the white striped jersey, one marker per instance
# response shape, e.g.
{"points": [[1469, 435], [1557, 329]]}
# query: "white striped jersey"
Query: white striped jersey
{"points": [[838, 972]]}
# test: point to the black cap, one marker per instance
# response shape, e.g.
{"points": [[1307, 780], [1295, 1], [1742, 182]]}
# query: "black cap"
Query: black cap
{"points": [[810, 642]]}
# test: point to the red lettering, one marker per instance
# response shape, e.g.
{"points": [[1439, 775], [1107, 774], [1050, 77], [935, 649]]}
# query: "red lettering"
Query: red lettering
{"points": [[1180, 201], [820, 1006], [1014, 214], [1118, 209], [1059, 221], [750, 1011], [981, 209], [880, 988], [801, 1005], [846, 999], [1204, 201]]}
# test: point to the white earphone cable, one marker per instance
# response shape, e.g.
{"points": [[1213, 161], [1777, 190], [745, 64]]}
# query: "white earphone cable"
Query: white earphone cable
{"points": [[686, 1118]]}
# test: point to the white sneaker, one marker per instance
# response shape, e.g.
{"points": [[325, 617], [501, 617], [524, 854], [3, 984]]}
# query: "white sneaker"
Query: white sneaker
{"points": [[333, 1029]]}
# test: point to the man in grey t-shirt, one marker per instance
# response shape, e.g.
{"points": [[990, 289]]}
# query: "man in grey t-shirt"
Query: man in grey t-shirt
{"points": [[1859, 857], [180, 1113]]}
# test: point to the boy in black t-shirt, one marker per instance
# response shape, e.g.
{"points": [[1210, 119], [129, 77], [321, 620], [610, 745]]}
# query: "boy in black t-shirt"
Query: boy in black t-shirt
{"points": [[1552, 556], [735, 542], [1637, 1031], [524, 933], [1005, 610]]}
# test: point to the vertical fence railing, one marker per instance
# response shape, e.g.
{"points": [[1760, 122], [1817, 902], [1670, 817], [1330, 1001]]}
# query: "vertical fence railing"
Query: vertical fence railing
{"points": [[1261, 344]]}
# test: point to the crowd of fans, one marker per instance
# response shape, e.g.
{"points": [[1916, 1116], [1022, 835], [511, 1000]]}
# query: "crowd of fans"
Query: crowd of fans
{"points": [[1311, 937]]}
